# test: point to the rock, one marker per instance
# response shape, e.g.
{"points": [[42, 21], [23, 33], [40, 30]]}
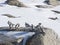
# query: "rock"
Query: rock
{"points": [[7, 40], [43, 36], [9, 15], [52, 2], [37, 39], [15, 3], [5, 43], [50, 38], [58, 12], [53, 18], [47, 2], [44, 6]]}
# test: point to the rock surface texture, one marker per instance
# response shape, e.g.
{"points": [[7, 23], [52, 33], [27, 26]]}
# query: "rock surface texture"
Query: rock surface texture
{"points": [[53, 2], [43, 36], [50, 38], [15, 3]]}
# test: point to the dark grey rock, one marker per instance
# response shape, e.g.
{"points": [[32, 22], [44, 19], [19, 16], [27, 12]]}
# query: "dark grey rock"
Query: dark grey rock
{"points": [[47, 2], [15, 3], [53, 18], [58, 12], [8, 15], [5, 40], [35, 40]]}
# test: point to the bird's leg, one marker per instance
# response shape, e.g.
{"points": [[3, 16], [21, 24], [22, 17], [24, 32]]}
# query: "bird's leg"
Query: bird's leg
{"points": [[10, 25], [17, 26]]}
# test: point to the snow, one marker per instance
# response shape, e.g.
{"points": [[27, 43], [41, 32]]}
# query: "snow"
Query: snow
{"points": [[30, 15], [2, 1], [57, 8], [31, 1]]}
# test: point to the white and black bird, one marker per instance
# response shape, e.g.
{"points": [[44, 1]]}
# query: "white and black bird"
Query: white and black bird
{"points": [[27, 25], [32, 26], [17, 26], [38, 25], [10, 24]]}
